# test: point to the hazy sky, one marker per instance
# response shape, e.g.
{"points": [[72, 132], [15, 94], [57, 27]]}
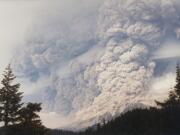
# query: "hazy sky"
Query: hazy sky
{"points": [[55, 32], [20, 18], [15, 18]]}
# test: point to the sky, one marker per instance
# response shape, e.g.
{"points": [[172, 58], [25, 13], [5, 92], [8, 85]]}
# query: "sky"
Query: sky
{"points": [[15, 19], [18, 17], [21, 21], [91, 58]]}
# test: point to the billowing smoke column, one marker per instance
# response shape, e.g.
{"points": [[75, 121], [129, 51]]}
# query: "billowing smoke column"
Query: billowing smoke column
{"points": [[102, 67]]}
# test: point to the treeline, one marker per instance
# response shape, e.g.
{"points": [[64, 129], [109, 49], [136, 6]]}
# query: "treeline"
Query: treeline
{"points": [[150, 121], [20, 118], [161, 120]]}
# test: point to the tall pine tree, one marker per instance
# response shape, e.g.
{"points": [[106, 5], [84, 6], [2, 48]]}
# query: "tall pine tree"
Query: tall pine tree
{"points": [[10, 99], [174, 95], [177, 86]]}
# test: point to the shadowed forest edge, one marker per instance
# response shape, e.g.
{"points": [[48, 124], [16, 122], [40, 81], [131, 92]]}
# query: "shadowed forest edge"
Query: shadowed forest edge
{"points": [[20, 118]]}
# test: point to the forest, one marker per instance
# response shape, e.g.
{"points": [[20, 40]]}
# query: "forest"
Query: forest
{"points": [[20, 118]]}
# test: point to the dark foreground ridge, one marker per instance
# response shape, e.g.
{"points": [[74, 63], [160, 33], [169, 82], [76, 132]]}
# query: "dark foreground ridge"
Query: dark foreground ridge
{"points": [[163, 120], [150, 121]]}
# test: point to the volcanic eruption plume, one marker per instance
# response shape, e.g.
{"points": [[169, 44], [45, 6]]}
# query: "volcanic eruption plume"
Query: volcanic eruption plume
{"points": [[98, 63]]}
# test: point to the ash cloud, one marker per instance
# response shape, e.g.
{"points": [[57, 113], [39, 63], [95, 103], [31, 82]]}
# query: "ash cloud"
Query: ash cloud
{"points": [[98, 62]]}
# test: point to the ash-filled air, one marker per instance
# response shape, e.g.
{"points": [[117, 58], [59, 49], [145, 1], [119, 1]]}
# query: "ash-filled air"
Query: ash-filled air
{"points": [[97, 62]]}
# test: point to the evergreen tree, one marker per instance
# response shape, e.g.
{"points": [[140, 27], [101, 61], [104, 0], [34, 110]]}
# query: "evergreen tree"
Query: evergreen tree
{"points": [[10, 99], [29, 116], [177, 86], [18, 119], [30, 120], [174, 95]]}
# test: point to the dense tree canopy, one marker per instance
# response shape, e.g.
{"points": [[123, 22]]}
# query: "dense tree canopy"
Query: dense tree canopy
{"points": [[10, 99], [29, 116], [18, 118]]}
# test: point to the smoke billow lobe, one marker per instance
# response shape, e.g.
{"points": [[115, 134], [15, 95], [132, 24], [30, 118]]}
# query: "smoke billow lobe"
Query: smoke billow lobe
{"points": [[100, 62]]}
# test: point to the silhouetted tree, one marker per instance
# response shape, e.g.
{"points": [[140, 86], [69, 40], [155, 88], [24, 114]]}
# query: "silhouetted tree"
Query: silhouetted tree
{"points": [[30, 120], [177, 86], [174, 95], [29, 116], [10, 99], [19, 119]]}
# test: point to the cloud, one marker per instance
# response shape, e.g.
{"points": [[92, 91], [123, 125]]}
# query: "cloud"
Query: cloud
{"points": [[15, 19], [162, 85], [168, 50], [98, 62], [53, 120]]}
